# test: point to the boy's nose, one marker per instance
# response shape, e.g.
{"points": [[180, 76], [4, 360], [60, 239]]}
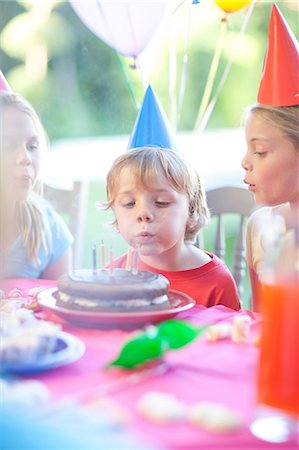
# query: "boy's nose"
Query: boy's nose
{"points": [[145, 216], [23, 157]]}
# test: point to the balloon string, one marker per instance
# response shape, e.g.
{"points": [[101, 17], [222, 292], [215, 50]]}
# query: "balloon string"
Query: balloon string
{"points": [[143, 77], [128, 81], [212, 72], [177, 7], [212, 103], [184, 69]]}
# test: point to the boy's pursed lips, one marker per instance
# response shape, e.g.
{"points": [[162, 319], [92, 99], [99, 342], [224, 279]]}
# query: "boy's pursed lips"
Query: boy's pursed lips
{"points": [[144, 236]]}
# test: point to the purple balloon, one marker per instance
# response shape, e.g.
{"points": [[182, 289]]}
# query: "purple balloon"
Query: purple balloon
{"points": [[127, 25]]}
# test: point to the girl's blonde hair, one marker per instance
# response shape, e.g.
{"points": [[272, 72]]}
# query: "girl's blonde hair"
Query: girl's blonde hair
{"points": [[148, 164], [32, 226], [285, 118]]}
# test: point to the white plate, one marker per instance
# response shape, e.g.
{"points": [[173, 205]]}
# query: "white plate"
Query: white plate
{"points": [[68, 349], [125, 320]]}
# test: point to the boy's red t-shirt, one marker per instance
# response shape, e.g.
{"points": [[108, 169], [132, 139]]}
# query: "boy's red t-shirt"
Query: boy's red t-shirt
{"points": [[209, 285]]}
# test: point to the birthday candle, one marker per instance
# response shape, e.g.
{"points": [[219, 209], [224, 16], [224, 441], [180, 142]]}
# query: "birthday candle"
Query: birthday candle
{"points": [[129, 259], [94, 258], [102, 251], [135, 263], [110, 261], [241, 329]]}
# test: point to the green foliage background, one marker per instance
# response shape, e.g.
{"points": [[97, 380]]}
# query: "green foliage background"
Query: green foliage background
{"points": [[84, 91]]}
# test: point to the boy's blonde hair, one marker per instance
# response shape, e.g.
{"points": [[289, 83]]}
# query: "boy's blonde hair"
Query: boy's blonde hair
{"points": [[150, 163], [32, 225], [285, 118]]}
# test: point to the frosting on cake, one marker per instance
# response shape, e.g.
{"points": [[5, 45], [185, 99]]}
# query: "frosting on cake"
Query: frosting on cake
{"points": [[120, 290]]}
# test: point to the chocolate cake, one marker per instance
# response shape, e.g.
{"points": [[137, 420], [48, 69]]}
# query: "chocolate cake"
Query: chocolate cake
{"points": [[121, 290]]}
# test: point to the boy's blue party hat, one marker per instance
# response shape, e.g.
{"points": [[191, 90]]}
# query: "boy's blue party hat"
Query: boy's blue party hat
{"points": [[152, 128]]}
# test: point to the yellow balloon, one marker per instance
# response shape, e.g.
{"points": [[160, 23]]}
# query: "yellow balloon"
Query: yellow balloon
{"points": [[231, 5]]}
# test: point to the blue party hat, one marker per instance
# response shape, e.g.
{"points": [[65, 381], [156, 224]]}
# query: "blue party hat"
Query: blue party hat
{"points": [[152, 128]]}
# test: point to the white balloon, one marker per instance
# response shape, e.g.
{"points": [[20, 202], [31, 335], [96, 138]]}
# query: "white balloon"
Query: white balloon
{"points": [[127, 25]]}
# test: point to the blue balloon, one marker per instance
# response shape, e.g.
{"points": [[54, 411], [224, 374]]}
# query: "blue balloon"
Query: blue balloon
{"points": [[152, 128]]}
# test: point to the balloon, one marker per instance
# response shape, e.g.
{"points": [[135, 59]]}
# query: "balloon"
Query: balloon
{"points": [[151, 128], [231, 5], [127, 25]]}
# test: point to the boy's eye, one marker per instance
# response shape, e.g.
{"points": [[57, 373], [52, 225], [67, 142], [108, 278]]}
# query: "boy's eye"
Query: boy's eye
{"points": [[162, 203], [128, 204]]}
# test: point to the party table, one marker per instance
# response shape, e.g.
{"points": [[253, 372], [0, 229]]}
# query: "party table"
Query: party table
{"points": [[219, 372]]}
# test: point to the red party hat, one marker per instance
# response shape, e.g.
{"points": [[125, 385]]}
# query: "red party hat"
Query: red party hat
{"points": [[4, 86], [280, 79]]}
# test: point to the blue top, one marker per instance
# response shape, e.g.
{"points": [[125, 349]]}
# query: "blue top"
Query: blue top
{"points": [[58, 240]]}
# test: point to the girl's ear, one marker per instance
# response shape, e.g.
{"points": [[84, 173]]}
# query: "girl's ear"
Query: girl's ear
{"points": [[190, 222], [191, 210], [191, 219]]}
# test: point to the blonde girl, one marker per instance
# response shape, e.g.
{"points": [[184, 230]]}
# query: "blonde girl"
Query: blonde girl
{"points": [[35, 243], [271, 165]]}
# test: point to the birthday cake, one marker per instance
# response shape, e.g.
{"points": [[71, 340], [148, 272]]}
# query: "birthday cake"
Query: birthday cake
{"points": [[121, 290]]}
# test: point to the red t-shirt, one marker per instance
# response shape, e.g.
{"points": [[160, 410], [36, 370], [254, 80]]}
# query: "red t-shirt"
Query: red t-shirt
{"points": [[209, 285]]}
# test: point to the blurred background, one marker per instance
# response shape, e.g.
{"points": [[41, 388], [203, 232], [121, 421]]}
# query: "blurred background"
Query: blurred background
{"points": [[203, 59], [83, 87]]}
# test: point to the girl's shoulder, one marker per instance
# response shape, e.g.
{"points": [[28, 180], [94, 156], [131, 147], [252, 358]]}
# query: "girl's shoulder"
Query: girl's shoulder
{"points": [[55, 224], [268, 212], [48, 210]]}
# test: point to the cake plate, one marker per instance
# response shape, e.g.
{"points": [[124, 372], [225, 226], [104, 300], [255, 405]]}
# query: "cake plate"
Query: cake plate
{"points": [[179, 302]]}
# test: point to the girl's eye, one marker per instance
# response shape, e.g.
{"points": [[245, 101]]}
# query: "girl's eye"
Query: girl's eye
{"points": [[261, 154], [162, 204], [32, 147]]}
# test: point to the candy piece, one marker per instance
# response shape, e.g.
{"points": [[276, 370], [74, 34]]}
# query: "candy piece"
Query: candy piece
{"points": [[15, 293], [25, 393], [214, 417], [218, 331], [161, 407], [240, 330]]}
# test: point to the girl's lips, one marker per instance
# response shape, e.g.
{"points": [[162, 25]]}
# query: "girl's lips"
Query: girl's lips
{"points": [[24, 180], [251, 187]]}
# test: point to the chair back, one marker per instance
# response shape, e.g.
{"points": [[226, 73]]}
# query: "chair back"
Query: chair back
{"points": [[230, 200], [71, 205]]}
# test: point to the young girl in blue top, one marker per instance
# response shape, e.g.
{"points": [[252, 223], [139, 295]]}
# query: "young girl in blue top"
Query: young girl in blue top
{"points": [[34, 241]]}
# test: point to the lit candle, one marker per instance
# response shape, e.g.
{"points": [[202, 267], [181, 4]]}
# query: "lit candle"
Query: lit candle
{"points": [[129, 259], [110, 261], [94, 258], [135, 263], [102, 251]]}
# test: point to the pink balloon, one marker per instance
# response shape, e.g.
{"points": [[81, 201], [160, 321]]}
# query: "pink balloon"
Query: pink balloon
{"points": [[126, 25]]}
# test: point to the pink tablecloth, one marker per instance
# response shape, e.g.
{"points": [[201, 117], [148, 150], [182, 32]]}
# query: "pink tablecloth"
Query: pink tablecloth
{"points": [[220, 372]]}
